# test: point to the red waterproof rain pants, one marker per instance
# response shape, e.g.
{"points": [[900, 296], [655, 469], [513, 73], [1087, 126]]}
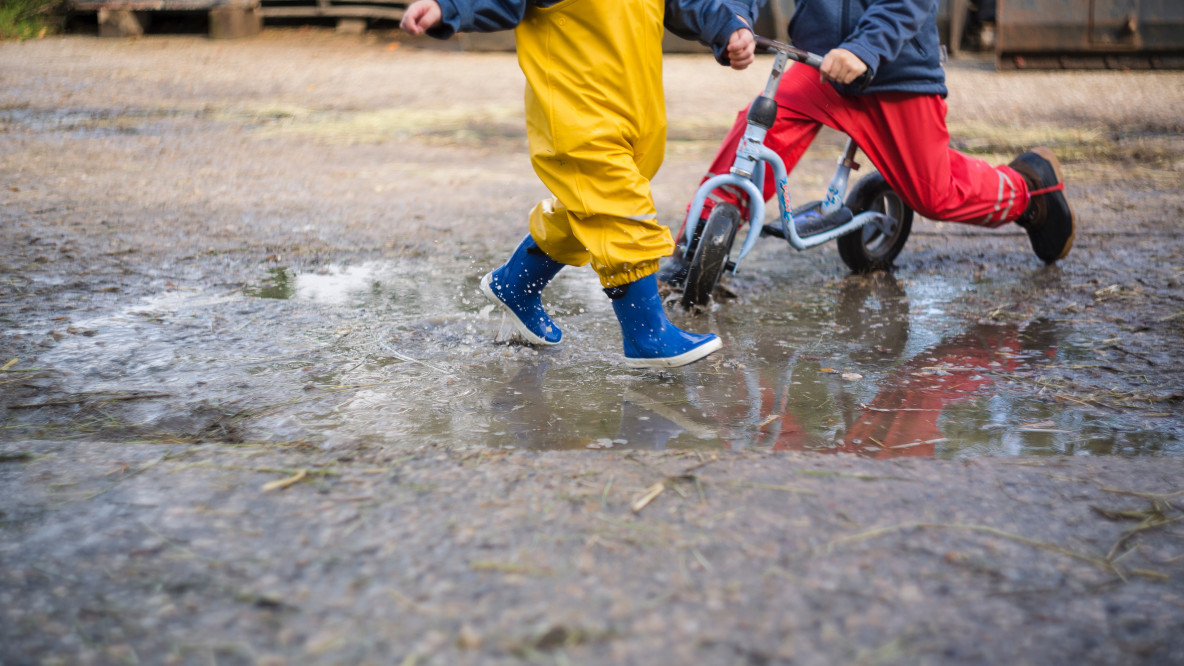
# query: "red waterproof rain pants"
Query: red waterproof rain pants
{"points": [[905, 137]]}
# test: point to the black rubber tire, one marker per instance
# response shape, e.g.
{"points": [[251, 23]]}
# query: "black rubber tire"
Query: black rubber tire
{"points": [[868, 249], [711, 255]]}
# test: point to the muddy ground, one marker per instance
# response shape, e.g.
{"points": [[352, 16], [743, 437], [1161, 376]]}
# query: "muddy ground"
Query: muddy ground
{"points": [[256, 413]]}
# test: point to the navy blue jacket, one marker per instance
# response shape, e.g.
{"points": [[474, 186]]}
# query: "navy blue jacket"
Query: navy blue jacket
{"points": [[896, 38], [698, 20]]}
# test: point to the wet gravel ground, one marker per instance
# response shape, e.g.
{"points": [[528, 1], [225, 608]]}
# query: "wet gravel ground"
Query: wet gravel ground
{"points": [[169, 497], [163, 554]]}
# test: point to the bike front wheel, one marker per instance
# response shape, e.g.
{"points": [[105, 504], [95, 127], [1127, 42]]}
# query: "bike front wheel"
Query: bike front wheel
{"points": [[710, 259], [872, 248]]}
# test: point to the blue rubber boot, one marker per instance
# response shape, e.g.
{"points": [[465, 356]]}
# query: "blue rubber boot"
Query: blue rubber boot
{"points": [[517, 286], [651, 341]]}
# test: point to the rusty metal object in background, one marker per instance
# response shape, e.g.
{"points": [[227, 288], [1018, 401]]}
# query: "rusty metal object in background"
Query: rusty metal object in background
{"points": [[228, 19], [357, 9], [1090, 34]]}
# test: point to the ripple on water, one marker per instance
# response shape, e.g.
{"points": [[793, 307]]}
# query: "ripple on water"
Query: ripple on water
{"points": [[408, 353]]}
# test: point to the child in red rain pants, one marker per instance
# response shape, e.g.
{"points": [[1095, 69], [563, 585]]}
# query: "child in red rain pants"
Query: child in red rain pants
{"points": [[898, 120]]}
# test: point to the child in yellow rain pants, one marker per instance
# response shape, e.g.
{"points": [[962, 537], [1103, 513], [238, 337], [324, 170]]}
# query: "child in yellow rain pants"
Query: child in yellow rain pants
{"points": [[596, 123]]}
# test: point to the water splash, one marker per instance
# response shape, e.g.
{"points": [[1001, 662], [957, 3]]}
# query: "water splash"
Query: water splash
{"points": [[408, 353]]}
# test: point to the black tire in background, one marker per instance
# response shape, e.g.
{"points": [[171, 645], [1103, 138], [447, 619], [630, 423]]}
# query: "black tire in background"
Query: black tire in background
{"points": [[711, 256], [869, 249]]}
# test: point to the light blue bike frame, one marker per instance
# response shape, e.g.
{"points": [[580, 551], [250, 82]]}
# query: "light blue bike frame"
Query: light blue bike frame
{"points": [[748, 174]]}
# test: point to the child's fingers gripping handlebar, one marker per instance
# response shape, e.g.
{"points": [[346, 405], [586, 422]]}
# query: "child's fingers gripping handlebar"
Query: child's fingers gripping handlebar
{"points": [[812, 59]]}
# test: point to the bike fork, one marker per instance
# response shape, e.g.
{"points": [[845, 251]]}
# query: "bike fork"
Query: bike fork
{"points": [[836, 192]]}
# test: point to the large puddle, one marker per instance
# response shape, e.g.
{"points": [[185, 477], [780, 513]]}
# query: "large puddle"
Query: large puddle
{"points": [[406, 354]]}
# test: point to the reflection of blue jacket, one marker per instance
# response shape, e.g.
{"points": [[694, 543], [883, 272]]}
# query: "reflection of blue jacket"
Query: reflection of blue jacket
{"points": [[896, 38], [690, 19]]}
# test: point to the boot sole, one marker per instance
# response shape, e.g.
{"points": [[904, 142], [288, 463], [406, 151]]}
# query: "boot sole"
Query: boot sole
{"points": [[685, 358], [1047, 154]]}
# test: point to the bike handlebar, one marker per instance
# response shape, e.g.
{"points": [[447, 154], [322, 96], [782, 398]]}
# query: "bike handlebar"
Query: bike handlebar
{"points": [[794, 53], [812, 59]]}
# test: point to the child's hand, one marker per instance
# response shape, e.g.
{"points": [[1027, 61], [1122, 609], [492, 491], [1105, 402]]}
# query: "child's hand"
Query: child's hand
{"points": [[741, 49], [421, 15], [841, 66]]}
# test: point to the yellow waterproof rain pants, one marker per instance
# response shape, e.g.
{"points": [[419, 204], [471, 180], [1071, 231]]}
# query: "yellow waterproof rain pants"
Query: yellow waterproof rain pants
{"points": [[596, 122]]}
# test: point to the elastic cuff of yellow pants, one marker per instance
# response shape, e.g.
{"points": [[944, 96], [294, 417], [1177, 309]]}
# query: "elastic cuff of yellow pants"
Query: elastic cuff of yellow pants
{"points": [[633, 275]]}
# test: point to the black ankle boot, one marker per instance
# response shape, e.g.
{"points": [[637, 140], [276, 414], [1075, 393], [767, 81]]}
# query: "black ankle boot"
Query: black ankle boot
{"points": [[1048, 219]]}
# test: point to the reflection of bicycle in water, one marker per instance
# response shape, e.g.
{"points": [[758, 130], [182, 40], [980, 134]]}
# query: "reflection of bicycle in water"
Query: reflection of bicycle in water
{"points": [[798, 403], [804, 403], [872, 315], [810, 407], [904, 418]]}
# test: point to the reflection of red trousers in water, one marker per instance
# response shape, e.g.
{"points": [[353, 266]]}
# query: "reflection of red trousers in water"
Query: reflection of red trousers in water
{"points": [[905, 415], [905, 137]]}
